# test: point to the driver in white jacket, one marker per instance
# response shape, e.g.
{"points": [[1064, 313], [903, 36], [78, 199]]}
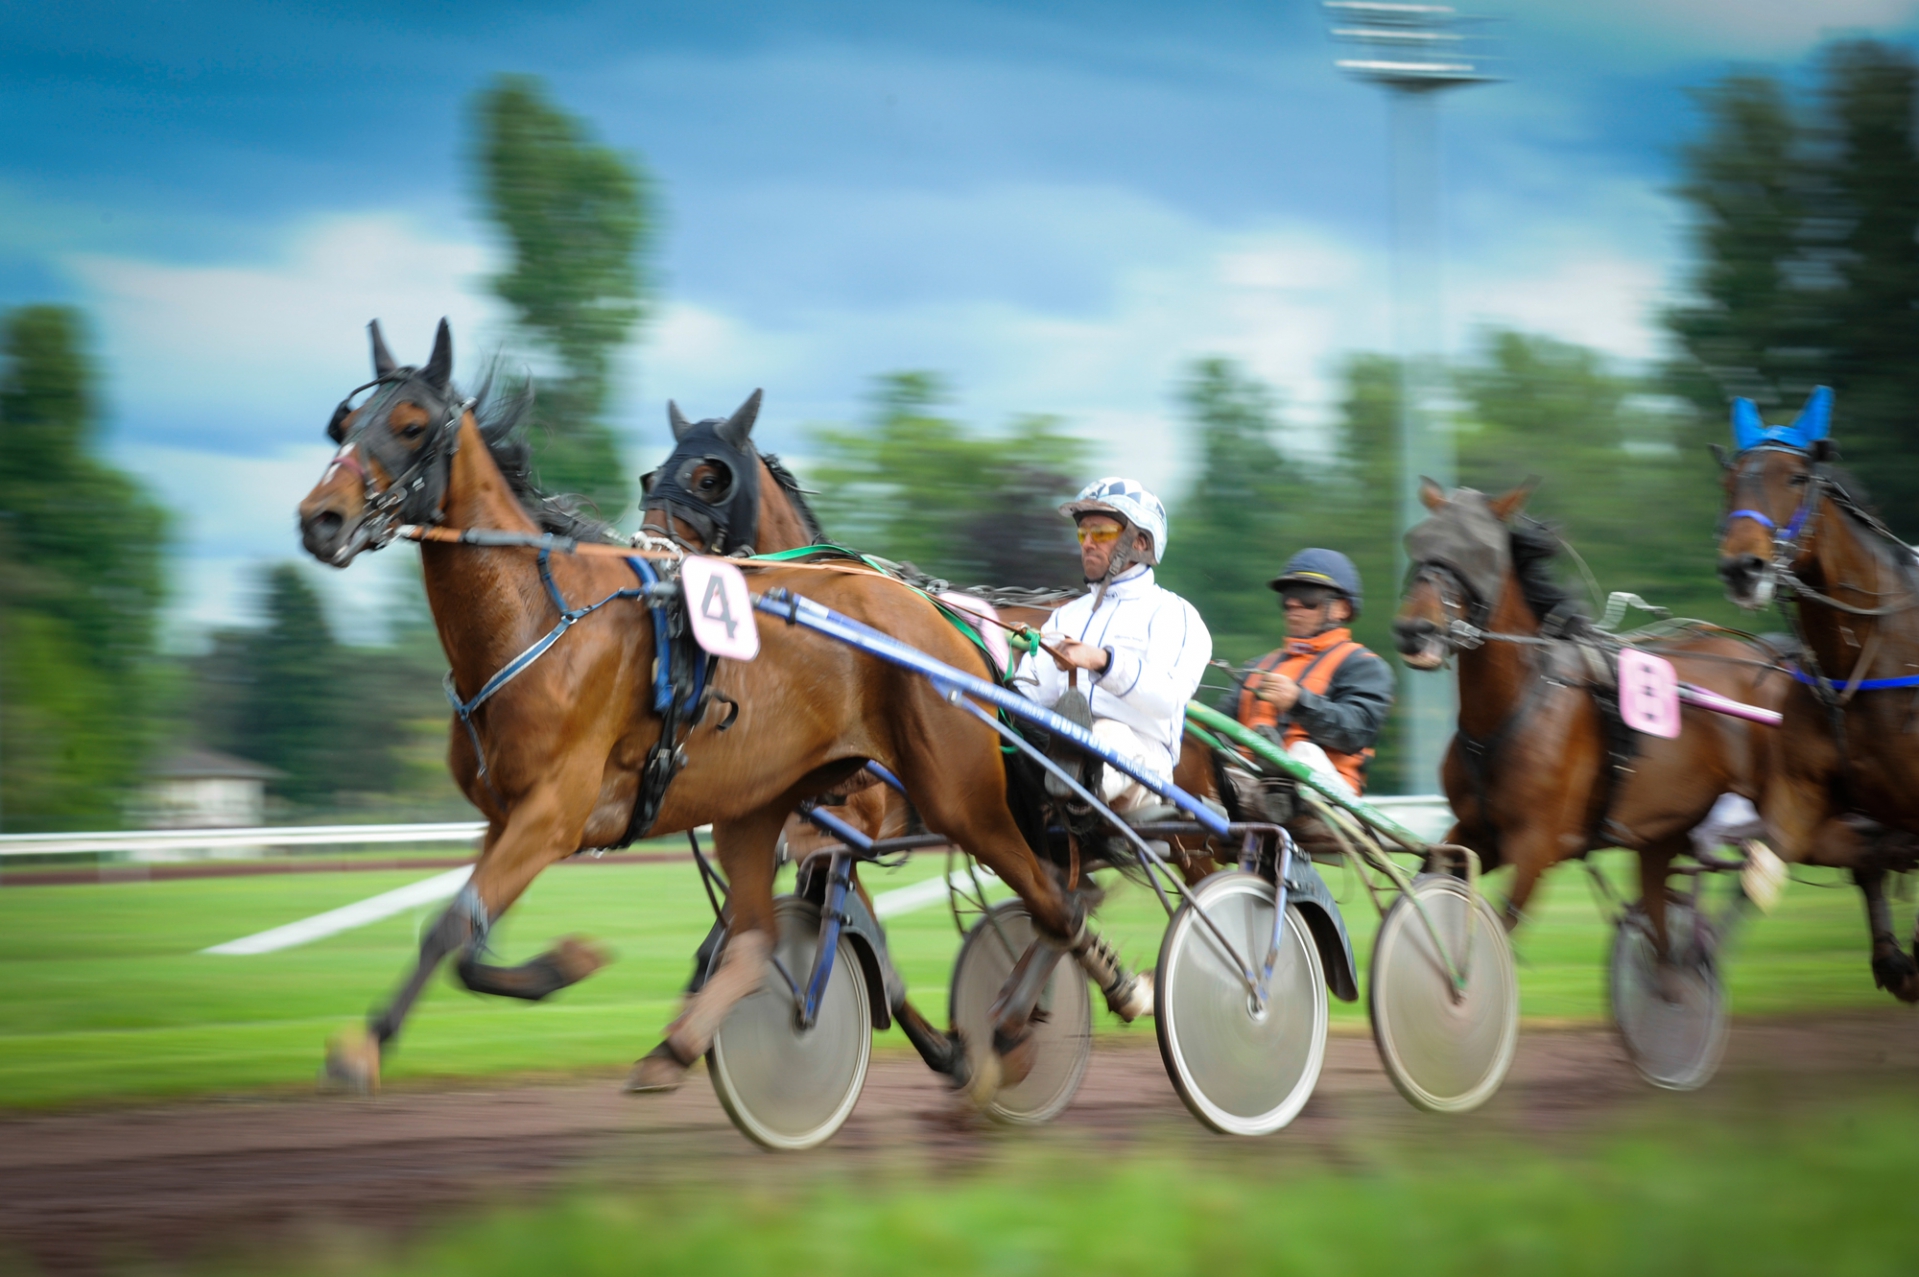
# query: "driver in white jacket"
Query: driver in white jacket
{"points": [[1134, 651]]}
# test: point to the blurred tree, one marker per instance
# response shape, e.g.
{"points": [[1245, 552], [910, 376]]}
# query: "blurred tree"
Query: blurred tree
{"points": [[1871, 219], [1751, 329], [1242, 511], [1807, 232], [1252, 504], [81, 583], [1614, 480], [576, 218], [973, 508], [288, 695]]}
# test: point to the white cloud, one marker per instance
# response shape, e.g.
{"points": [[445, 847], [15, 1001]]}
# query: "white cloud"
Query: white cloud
{"points": [[261, 350]]}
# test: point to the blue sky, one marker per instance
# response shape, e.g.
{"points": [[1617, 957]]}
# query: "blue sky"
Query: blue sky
{"points": [[1057, 207]]}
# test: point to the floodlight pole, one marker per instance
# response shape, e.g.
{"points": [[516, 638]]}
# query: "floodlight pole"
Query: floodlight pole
{"points": [[1414, 51]]}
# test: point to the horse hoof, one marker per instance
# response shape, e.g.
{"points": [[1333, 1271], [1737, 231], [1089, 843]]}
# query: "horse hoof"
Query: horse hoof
{"points": [[1896, 973], [1140, 1001], [986, 1081], [657, 1072], [575, 958], [959, 1065], [1018, 1062], [352, 1063]]}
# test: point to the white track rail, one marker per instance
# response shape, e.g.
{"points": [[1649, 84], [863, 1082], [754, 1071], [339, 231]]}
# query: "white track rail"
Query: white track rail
{"points": [[148, 840]]}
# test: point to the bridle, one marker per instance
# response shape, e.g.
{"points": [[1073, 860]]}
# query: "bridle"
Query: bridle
{"points": [[1793, 542], [1465, 612], [408, 498]]}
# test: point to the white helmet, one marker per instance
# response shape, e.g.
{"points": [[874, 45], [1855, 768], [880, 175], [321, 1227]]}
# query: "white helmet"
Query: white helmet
{"points": [[1130, 501]]}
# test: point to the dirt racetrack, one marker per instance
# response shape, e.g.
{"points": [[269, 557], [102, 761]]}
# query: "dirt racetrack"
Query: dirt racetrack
{"points": [[171, 1181]]}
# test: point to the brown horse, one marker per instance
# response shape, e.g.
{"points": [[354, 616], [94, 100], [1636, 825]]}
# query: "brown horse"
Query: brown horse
{"points": [[717, 493], [1799, 526], [1540, 769], [554, 758]]}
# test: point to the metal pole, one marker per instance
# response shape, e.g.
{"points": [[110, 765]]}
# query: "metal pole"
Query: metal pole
{"points": [[1428, 702], [1414, 51]]}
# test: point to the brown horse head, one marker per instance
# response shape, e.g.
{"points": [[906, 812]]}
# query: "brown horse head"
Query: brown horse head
{"points": [[1771, 496], [391, 467], [716, 494], [1461, 559]]}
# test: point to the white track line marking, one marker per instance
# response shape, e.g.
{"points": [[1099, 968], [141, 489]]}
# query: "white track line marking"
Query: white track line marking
{"points": [[891, 904], [888, 904], [334, 921]]}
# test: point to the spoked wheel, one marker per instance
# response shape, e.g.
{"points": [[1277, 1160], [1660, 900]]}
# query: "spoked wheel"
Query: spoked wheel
{"points": [[1243, 1069], [1062, 1026], [1672, 1016], [784, 1087], [1446, 1050]]}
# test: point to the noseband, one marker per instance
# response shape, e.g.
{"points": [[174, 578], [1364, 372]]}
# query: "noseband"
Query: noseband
{"points": [[385, 510], [1466, 613]]}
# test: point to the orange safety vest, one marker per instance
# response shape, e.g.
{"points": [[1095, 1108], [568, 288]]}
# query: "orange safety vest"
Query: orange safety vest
{"points": [[1311, 663]]}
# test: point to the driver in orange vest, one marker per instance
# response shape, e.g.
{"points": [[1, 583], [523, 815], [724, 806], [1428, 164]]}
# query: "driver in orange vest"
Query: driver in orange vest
{"points": [[1323, 696]]}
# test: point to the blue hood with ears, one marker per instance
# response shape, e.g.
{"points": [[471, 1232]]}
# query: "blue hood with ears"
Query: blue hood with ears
{"points": [[1813, 423]]}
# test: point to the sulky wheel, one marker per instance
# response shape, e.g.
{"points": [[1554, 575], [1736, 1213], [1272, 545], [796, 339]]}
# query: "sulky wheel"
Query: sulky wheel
{"points": [[1447, 1051], [1242, 1069], [1062, 1026], [1671, 1016], [784, 1087]]}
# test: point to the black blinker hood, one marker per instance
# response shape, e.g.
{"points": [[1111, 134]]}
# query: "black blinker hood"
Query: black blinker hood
{"points": [[729, 524]]}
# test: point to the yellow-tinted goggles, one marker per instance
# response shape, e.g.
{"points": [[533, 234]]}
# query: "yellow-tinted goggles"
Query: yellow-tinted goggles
{"points": [[1097, 533]]}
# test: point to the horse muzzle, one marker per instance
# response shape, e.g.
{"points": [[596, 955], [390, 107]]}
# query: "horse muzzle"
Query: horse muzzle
{"points": [[1749, 581], [330, 535], [1421, 643]]}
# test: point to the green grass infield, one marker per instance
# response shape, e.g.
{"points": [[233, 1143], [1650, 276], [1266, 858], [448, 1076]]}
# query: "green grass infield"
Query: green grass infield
{"points": [[105, 995]]}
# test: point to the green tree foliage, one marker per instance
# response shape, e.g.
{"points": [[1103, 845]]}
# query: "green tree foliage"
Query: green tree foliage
{"points": [[81, 584], [1239, 518], [339, 723], [915, 485], [1252, 503], [1872, 171], [1750, 329], [576, 216], [1807, 233], [1614, 480]]}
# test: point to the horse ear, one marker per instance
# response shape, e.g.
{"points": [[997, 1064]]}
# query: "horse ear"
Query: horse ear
{"points": [[1748, 431], [1505, 507], [737, 428], [1720, 455], [383, 361], [1431, 495], [677, 420], [438, 372], [1814, 421]]}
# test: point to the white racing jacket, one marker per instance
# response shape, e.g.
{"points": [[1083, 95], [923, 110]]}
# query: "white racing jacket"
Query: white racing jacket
{"points": [[1160, 648]]}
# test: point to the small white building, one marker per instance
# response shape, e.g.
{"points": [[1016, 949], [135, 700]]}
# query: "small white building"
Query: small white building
{"points": [[194, 788]]}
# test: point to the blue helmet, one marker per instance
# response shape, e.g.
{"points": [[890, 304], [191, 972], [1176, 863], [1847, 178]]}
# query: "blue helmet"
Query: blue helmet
{"points": [[1322, 567]]}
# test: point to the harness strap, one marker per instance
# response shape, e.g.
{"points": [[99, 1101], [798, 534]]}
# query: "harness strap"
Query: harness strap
{"points": [[517, 666]]}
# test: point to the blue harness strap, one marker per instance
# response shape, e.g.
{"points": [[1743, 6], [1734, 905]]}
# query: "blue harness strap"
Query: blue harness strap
{"points": [[648, 587], [1865, 684]]}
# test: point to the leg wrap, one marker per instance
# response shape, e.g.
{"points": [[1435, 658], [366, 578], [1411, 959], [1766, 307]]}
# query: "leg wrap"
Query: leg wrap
{"points": [[463, 926], [1127, 996]]}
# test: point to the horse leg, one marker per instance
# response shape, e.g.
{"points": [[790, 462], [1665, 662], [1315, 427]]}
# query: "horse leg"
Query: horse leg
{"points": [[1527, 867], [952, 805], [1892, 967], [533, 837], [944, 1053], [745, 849]]}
